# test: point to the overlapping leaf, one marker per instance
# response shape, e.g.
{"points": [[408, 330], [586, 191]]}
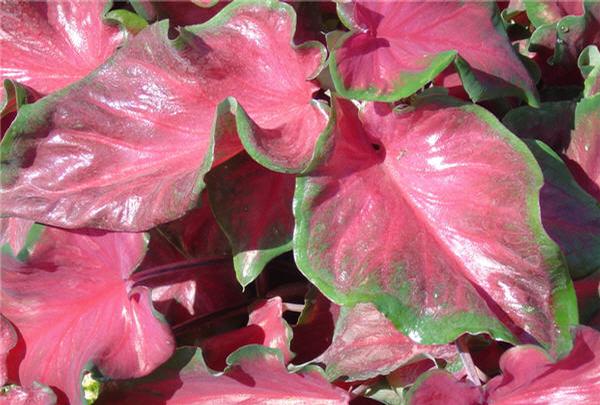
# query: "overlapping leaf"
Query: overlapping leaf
{"points": [[578, 235], [72, 301], [254, 207], [48, 45], [528, 377], [8, 338], [265, 327], [366, 344], [432, 214], [395, 48], [584, 148], [126, 148], [255, 375]]}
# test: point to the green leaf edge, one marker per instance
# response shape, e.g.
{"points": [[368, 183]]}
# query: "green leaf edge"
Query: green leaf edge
{"points": [[451, 327], [415, 81]]}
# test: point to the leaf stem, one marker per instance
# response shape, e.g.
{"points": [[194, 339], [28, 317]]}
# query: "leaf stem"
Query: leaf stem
{"points": [[288, 306], [467, 360], [155, 272]]}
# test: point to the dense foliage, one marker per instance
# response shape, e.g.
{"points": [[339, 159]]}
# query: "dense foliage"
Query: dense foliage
{"points": [[300, 202]]}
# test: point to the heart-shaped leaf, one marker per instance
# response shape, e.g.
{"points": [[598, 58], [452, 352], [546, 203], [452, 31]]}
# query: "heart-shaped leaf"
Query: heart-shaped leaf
{"points": [[48, 45], [126, 148], [395, 48], [366, 344], [550, 11], [254, 207], [255, 375], [91, 313], [406, 214]]}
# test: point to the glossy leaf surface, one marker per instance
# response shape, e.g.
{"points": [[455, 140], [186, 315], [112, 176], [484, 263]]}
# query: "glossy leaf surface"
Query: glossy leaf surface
{"points": [[91, 313], [127, 147], [255, 375], [366, 344], [48, 45], [254, 207], [395, 48], [387, 221]]}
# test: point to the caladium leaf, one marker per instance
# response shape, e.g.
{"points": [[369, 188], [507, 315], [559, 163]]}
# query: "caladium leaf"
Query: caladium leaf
{"points": [[8, 338], [577, 235], [550, 11], [561, 41], [255, 375], [528, 376], [266, 327], [38, 394], [367, 344], [391, 219], [552, 123], [395, 48], [584, 148], [253, 205], [438, 387], [314, 330], [179, 13], [589, 64], [48, 45], [91, 314], [100, 154], [192, 288]]}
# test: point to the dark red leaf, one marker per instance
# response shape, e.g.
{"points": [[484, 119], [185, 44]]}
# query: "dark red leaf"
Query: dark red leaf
{"points": [[432, 214], [127, 147], [255, 375], [265, 327], [314, 330], [73, 303], [395, 48], [253, 205], [584, 149]]}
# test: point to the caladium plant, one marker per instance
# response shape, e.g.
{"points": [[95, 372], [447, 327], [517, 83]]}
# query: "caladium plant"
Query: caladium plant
{"points": [[261, 201]]}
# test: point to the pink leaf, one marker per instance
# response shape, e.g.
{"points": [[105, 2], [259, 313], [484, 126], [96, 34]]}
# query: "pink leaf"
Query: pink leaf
{"points": [[440, 388], [406, 215], [256, 375], [73, 302], [395, 48], [38, 394], [530, 377], [127, 147], [48, 45], [254, 207], [8, 340], [265, 327], [367, 344]]}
